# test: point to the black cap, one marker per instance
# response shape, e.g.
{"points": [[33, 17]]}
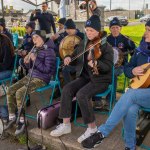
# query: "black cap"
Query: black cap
{"points": [[70, 24], [40, 33], [114, 22], [148, 23], [62, 21], [94, 22], [31, 24]]}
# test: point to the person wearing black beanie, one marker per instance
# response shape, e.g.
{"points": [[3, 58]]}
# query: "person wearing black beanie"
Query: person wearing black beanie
{"points": [[93, 76]]}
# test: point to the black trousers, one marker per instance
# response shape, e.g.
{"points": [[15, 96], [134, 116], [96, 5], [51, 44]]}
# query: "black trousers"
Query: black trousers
{"points": [[84, 90]]}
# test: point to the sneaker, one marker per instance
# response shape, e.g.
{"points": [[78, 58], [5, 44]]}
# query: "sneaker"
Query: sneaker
{"points": [[87, 134], [20, 128], [93, 141], [10, 123], [61, 130]]}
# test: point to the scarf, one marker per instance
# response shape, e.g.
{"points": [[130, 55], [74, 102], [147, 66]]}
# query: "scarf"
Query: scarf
{"points": [[144, 48]]}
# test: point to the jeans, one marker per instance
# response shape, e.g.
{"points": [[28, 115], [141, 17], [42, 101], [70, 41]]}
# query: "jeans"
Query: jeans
{"points": [[127, 109], [5, 74], [84, 90], [67, 72]]}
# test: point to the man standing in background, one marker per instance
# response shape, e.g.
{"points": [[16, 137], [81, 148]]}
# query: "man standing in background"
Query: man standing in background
{"points": [[46, 20], [94, 10]]}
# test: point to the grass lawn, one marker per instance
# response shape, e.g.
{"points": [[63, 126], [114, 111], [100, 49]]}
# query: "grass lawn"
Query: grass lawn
{"points": [[135, 33]]}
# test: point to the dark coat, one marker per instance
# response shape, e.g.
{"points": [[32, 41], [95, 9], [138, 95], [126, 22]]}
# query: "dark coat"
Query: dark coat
{"points": [[105, 63], [123, 43], [27, 43], [6, 32], [46, 21], [6, 56]]}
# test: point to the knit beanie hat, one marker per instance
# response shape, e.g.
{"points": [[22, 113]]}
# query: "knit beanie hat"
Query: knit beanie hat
{"points": [[93, 22], [148, 23], [114, 22], [62, 21], [70, 24], [40, 33], [31, 24]]}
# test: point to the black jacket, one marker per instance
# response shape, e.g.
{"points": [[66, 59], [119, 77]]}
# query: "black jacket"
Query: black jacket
{"points": [[46, 21], [6, 56], [123, 43], [105, 63]]}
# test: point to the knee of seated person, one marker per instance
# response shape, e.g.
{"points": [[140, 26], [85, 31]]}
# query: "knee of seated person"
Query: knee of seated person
{"points": [[133, 110], [10, 91], [80, 96], [19, 94], [66, 89]]}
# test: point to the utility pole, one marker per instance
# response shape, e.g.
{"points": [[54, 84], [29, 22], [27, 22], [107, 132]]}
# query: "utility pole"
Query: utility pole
{"points": [[110, 5], [129, 9], [2, 4], [36, 3]]}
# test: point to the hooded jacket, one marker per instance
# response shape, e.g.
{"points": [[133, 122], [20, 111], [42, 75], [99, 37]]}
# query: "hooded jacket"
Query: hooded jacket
{"points": [[45, 63]]}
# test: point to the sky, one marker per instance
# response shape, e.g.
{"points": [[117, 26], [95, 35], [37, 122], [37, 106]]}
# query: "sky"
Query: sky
{"points": [[134, 4]]}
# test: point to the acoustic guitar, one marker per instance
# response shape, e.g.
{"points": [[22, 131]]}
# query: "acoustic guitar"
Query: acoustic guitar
{"points": [[142, 81]]}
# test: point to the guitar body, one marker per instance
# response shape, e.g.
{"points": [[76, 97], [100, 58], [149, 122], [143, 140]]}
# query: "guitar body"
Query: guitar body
{"points": [[142, 81]]}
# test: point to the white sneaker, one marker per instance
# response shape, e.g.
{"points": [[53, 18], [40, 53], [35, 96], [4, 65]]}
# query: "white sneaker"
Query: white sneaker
{"points": [[61, 130], [87, 134]]}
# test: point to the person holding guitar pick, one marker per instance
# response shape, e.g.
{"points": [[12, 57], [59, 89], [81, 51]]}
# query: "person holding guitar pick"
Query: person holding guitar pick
{"points": [[128, 106]]}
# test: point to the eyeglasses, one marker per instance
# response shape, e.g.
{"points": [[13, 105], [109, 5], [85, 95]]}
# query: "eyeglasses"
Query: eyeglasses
{"points": [[44, 6]]}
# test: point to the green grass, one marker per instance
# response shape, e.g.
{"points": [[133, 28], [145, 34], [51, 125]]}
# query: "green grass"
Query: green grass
{"points": [[135, 33]]}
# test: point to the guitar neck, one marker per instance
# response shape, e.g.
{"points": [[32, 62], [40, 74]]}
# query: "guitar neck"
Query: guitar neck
{"points": [[145, 69]]}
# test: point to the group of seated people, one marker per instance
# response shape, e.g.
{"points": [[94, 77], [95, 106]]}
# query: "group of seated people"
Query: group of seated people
{"points": [[93, 71]]}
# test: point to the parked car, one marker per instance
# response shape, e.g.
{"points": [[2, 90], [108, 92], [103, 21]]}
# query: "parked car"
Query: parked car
{"points": [[123, 20], [145, 18]]}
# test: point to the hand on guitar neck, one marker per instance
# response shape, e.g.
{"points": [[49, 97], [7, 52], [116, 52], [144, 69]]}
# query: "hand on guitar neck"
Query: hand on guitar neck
{"points": [[142, 76]]}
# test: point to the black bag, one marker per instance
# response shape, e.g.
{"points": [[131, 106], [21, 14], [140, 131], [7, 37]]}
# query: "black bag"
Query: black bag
{"points": [[142, 129]]}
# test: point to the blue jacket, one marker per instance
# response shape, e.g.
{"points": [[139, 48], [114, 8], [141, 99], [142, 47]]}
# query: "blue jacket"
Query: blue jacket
{"points": [[123, 43], [27, 43], [46, 21], [136, 60], [45, 64]]}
